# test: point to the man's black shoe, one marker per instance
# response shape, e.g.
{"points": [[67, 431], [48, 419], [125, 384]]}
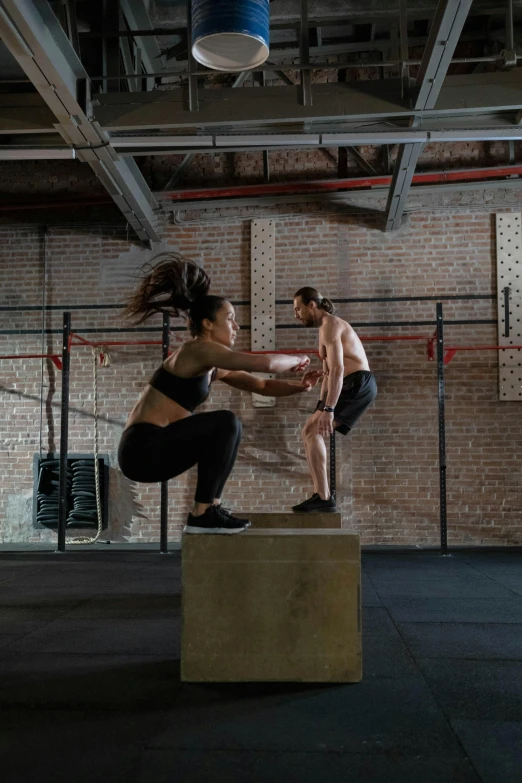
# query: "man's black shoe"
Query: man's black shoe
{"points": [[317, 504], [215, 520]]}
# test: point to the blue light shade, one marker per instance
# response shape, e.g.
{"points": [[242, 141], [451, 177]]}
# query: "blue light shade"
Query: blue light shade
{"points": [[230, 35]]}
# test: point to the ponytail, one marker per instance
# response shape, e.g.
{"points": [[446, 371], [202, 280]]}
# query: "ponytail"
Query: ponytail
{"points": [[327, 305], [172, 284]]}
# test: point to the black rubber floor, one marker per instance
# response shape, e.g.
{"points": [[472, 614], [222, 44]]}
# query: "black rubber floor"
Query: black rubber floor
{"points": [[90, 690]]}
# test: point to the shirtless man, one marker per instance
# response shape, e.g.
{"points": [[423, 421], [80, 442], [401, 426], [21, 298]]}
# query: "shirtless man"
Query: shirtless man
{"points": [[348, 388]]}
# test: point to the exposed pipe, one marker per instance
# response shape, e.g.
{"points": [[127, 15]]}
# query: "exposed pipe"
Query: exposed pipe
{"points": [[314, 186], [354, 183]]}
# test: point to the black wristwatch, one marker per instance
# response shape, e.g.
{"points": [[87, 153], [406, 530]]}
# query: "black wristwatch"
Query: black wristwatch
{"points": [[328, 409]]}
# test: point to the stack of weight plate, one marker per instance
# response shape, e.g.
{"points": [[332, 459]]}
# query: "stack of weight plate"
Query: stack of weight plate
{"points": [[83, 512], [48, 492]]}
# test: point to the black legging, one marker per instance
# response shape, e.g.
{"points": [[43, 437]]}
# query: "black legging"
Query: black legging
{"points": [[150, 453]]}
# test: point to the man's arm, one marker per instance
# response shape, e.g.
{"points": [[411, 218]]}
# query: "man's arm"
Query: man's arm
{"points": [[335, 359], [334, 352]]}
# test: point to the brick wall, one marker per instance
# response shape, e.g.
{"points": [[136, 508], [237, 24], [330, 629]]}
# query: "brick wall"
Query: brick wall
{"points": [[388, 467]]}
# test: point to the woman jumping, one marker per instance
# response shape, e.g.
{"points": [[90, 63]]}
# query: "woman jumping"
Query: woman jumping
{"points": [[162, 439]]}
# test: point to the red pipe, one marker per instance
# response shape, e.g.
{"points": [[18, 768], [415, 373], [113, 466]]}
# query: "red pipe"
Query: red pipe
{"points": [[326, 185], [283, 188]]}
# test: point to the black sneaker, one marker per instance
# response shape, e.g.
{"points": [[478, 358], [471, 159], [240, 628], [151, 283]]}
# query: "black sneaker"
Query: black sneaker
{"points": [[223, 510], [317, 504], [215, 520]]}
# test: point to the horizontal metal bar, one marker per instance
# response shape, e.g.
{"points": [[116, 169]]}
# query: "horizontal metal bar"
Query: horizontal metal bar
{"points": [[246, 327], [163, 141], [497, 134], [357, 139], [240, 303], [43, 153], [281, 140], [268, 140], [182, 70]]}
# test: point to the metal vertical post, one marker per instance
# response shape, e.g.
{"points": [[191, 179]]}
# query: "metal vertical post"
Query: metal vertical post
{"points": [[510, 28], [403, 43], [442, 431], [266, 167], [304, 48], [64, 431], [164, 498], [266, 163], [193, 96], [332, 466]]}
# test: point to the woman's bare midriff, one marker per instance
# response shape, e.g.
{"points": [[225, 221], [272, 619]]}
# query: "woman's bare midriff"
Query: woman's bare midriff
{"points": [[153, 407]]}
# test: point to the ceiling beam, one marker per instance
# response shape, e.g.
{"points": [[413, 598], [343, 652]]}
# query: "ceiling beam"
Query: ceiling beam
{"points": [[444, 36], [347, 141], [33, 35], [234, 109], [472, 100]]}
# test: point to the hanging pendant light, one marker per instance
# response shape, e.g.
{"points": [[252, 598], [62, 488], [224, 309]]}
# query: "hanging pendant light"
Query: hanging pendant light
{"points": [[230, 35]]}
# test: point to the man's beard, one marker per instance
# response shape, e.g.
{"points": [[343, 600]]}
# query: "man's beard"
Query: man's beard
{"points": [[309, 323]]}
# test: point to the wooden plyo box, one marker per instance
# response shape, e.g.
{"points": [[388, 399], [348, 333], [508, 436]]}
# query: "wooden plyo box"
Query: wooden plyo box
{"points": [[272, 606], [289, 519]]}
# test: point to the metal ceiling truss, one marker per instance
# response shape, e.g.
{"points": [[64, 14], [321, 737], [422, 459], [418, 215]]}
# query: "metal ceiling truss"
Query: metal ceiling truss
{"points": [[129, 145], [444, 36], [33, 35], [112, 126]]}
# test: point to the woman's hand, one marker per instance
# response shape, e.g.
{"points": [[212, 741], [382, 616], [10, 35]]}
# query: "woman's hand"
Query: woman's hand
{"points": [[302, 363], [310, 379]]}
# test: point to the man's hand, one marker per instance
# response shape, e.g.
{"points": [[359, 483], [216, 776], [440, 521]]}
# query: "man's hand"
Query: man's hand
{"points": [[310, 379], [325, 423]]}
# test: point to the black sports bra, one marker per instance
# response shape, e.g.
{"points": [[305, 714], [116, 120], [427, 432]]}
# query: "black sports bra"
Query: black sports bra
{"points": [[187, 392]]}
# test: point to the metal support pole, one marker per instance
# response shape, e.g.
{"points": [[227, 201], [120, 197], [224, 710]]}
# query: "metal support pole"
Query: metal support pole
{"points": [[164, 498], [442, 431], [193, 100], [404, 51], [510, 29], [332, 466], [304, 47], [64, 432], [385, 158], [266, 167]]}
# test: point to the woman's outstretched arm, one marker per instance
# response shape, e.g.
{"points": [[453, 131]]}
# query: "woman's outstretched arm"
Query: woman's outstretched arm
{"points": [[268, 387], [210, 354]]}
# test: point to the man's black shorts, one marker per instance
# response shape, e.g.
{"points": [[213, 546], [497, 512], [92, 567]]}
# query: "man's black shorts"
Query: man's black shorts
{"points": [[359, 390]]}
